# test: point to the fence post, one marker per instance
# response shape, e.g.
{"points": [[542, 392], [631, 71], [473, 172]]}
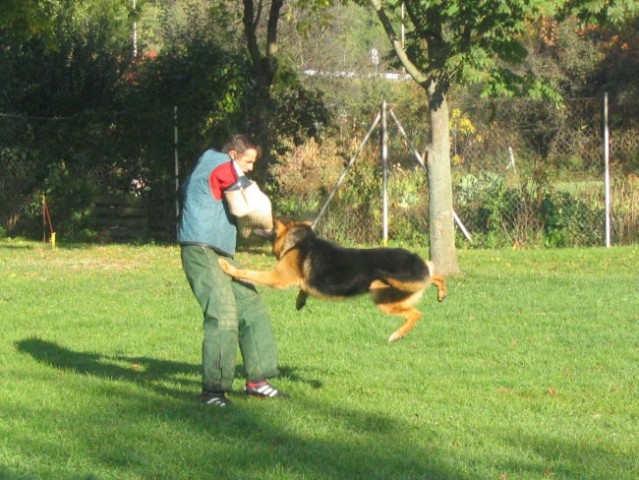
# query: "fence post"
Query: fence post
{"points": [[384, 176], [177, 169], [606, 167]]}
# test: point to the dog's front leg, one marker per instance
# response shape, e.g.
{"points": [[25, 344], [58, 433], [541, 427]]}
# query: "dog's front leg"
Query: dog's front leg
{"points": [[278, 278]]}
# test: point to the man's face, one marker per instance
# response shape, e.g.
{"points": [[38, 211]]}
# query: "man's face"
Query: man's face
{"points": [[245, 160]]}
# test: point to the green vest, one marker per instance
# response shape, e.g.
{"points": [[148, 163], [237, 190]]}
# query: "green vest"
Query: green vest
{"points": [[206, 220]]}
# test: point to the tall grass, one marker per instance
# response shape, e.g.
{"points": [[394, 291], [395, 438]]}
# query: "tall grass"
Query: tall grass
{"points": [[527, 371]]}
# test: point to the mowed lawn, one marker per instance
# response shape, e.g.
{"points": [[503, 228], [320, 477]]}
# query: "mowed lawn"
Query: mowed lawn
{"points": [[529, 370]]}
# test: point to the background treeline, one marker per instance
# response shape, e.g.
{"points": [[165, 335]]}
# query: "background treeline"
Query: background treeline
{"points": [[99, 99]]}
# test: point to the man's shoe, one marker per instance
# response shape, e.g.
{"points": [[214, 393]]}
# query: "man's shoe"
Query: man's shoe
{"points": [[215, 399], [263, 389]]}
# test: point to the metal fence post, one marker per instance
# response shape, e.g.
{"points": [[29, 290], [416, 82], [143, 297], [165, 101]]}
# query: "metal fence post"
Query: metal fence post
{"points": [[177, 169], [606, 167], [384, 175]]}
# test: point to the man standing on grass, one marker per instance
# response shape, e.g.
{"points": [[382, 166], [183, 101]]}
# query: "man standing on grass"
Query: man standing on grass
{"points": [[234, 313]]}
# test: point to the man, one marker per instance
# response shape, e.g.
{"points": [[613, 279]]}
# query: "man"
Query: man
{"points": [[233, 311]]}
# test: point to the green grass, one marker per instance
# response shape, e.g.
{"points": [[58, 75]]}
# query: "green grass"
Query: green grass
{"points": [[529, 370]]}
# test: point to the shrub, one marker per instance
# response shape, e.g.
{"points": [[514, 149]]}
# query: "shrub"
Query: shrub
{"points": [[625, 210], [303, 177]]}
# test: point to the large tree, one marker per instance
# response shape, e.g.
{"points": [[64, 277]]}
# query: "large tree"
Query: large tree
{"points": [[261, 24], [459, 41]]}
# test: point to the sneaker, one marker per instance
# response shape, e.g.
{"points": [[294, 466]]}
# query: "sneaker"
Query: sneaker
{"points": [[215, 399], [263, 389]]}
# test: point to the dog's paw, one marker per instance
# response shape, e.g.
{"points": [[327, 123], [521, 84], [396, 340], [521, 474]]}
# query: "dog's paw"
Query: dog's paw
{"points": [[226, 266], [301, 300], [442, 294], [394, 337]]}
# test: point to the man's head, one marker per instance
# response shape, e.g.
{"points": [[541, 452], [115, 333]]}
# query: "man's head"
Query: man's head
{"points": [[243, 150]]}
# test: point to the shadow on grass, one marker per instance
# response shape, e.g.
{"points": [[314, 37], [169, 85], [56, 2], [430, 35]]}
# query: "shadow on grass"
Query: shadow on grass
{"points": [[6, 474], [9, 246], [148, 372], [365, 444], [144, 371], [574, 458]]}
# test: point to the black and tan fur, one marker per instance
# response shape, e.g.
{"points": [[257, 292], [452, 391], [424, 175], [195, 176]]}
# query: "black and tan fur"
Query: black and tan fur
{"points": [[395, 277]]}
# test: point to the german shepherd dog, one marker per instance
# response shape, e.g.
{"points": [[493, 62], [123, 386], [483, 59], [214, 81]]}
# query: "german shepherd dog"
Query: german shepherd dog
{"points": [[395, 277]]}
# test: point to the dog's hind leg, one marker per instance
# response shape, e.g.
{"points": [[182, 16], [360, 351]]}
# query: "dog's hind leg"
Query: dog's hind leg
{"points": [[440, 283], [411, 317], [392, 302]]}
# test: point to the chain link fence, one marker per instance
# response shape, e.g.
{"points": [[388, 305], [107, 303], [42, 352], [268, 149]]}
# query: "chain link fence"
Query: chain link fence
{"points": [[527, 173], [524, 174]]}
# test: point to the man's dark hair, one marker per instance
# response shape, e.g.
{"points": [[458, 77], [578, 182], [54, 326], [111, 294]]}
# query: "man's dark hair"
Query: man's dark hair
{"points": [[240, 142]]}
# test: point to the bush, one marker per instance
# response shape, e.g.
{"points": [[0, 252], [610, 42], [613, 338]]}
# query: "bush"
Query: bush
{"points": [[305, 177], [568, 221], [526, 215]]}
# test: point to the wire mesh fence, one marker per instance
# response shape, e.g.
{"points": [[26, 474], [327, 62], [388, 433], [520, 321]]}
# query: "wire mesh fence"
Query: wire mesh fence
{"points": [[529, 173], [524, 173]]}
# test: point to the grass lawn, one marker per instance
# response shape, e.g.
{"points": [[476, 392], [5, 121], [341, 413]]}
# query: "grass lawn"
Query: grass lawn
{"points": [[529, 370]]}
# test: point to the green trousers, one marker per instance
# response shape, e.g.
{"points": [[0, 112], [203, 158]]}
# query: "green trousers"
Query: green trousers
{"points": [[234, 313]]}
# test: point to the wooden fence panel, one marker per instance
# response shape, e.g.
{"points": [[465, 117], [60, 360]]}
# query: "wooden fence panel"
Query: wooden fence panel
{"points": [[125, 219]]}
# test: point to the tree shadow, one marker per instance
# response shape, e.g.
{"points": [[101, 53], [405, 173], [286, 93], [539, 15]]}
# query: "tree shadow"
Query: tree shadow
{"points": [[9, 246], [366, 453], [7, 474], [570, 458]]}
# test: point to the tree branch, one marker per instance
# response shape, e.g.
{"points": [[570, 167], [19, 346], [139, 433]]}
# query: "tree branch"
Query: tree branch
{"points": [[271, 33], [250, 27], [411, 68], [432, 37]]}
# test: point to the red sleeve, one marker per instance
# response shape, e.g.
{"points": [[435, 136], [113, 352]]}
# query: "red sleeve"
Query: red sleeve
{"points": [[222, 178]]}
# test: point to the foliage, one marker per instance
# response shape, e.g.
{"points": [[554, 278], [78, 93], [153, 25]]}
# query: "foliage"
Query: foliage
{"points": [[498, 215], [463, 133], [600, 12], [79, 74], [303, 177], [69, 70], [298, 112], [468, 43], [354, 216], [27, 18], [482, 203], [568, 221], [209, 100], [79, 116], [625, 221], [118, 117]]}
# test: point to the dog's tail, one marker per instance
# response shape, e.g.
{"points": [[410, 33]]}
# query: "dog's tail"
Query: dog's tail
{"points": [[430, 266]]}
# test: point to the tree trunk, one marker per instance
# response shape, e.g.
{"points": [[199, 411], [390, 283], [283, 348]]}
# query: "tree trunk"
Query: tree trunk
{"points": [[440, 189], [264, 66]]}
